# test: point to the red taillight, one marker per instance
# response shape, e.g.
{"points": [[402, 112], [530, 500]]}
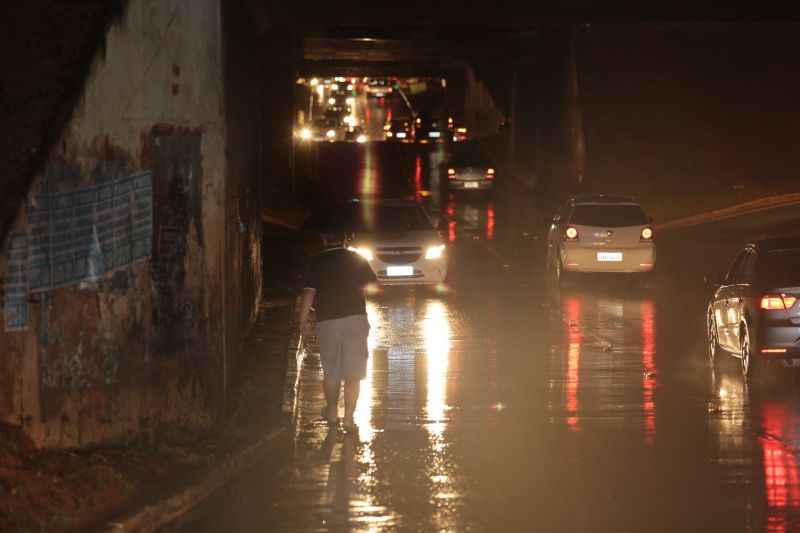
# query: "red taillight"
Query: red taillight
{"points": [[571, 234], [647, 234], [490, 173], [777, 302]]}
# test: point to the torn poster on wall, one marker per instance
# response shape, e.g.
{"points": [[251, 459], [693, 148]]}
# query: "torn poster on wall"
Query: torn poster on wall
{"points": [[76, 237], [15, 288], [80, 235]]}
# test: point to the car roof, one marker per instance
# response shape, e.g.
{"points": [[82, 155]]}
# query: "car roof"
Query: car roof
{"points": [[600, 198], [777, 243]]}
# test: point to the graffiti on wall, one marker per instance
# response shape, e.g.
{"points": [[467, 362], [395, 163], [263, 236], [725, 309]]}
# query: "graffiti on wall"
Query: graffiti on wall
{"points": [[177, 167], [75, 236]]}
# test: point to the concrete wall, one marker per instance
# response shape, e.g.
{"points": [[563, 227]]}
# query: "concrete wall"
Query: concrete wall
{"points": [[695, 106], [137, 328], [481, 115], [543, 116]]}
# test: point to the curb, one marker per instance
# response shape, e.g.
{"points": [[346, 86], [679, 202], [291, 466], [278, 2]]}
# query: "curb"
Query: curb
{"points": [[747, 208], [157, 515]]}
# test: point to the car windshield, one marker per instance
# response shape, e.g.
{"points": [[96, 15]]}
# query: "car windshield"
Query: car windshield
{"points": [[383, 218], [608, 216], [780, 268]]}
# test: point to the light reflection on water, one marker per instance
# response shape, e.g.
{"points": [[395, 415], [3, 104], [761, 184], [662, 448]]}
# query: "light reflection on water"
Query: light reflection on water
{"points": [[605, 337], [757, 427], [436, 334], [396, 326]]}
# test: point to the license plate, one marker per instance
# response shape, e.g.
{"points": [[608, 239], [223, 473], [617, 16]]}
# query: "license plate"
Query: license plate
{"points": [[434, 134], [393, 271], [471, 185], [609, 256], [401, 135]]}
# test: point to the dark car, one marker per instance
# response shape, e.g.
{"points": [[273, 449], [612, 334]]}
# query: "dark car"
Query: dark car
{"points": [[399, 130], [428, 128], [355, 134], [379, 88], [753, 313], [470, 169]]}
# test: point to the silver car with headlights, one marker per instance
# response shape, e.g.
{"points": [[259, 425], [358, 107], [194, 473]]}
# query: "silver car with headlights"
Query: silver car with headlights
{"points": [[600, 233], [470, 170], [400, 241]]}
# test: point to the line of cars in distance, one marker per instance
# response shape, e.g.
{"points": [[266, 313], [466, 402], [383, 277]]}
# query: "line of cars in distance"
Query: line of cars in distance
{"points": [[337, 118], [424, 128]]}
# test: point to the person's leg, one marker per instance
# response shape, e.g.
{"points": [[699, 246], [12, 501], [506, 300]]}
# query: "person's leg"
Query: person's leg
{"points": [[331, 386], [351, 389], [331, 359], [355, 364]]}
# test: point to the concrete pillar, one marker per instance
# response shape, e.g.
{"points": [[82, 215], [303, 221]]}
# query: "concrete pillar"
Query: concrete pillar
{"points": [[278, 101], [512, 134], [576, 134]]}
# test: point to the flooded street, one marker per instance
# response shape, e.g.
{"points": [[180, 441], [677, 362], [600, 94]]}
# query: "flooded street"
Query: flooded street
{"points": [[504, 404]]}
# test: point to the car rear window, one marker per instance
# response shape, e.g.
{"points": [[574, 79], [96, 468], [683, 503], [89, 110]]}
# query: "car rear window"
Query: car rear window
{"points": [[780, 268], [608, 216], [473, 160]]}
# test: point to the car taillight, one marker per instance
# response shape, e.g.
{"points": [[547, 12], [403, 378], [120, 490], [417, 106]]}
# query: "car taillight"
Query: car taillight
{"points": [[571, 234], [647, 234], [490, 173], [777, 302], [451, 173]]}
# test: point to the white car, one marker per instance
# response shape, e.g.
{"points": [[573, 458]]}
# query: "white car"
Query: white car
{"points": [[400, 242], [600, 233]]}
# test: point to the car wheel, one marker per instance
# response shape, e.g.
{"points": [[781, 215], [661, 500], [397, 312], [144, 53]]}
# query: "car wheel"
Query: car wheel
{"points": [[713, 341], [750, 365]]}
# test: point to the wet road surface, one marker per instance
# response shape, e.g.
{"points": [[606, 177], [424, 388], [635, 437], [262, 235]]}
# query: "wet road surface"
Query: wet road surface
{"points": [[506, 405]]}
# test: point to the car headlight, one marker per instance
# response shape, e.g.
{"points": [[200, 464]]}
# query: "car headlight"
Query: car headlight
{"points": [[366, 253], [305, 134], [434, 252], [330, 134], [361, 138]]}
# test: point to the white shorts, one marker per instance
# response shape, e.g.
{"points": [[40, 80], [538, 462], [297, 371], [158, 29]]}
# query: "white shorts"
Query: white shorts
{"points": [[343, 347]]}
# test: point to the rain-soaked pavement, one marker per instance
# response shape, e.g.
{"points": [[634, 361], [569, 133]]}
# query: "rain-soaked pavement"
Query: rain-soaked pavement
{"points": [[505, 405]]}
